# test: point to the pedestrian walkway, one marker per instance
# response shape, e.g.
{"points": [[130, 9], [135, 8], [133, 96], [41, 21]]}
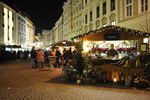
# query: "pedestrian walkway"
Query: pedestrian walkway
{"points": [[18, 81]]}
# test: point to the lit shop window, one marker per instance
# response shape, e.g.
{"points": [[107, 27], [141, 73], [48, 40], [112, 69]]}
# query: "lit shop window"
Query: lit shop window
{"points": [[129, 7], [113, 23]]}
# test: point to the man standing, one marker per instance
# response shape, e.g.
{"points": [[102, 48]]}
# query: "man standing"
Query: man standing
{"points": [[58, 57], [112, 52], [33, 58]]}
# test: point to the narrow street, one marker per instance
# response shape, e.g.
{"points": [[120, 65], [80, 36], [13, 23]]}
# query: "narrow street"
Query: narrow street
{"points": [[18, 81]]}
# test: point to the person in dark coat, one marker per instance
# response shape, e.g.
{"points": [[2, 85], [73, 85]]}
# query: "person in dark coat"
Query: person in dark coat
{"points": [[33, 58], [58, 57], [112, 52], [69, 54], [65, 56]]}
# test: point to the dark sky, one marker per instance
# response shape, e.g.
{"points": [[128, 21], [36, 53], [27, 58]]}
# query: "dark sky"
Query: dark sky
{"points": [[44, 13]]}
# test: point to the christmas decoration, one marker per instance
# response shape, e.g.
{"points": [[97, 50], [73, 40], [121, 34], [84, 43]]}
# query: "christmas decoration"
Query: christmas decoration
{"points": [[116, 28]]}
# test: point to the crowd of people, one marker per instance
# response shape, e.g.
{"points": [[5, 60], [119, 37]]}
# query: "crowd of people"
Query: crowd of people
{"points": [[12, 55], [40, 57]]}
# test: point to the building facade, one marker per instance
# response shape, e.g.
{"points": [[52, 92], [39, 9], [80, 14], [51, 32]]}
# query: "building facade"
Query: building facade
{"points": [[21, 30], [30, 31], [45, 38], [52, 36], [15, 27], [67, 21], [7, 25], [60, 30], [82, 16]]}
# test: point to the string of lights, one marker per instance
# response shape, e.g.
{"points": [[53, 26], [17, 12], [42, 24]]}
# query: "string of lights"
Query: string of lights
{"points": [[112, 27]]}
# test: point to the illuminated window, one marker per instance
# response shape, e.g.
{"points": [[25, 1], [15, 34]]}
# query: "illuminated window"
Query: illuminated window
{"points": [[129, 7]]}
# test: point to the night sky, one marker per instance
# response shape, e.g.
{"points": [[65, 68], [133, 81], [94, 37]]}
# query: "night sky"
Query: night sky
{"points": [[44, 13]]}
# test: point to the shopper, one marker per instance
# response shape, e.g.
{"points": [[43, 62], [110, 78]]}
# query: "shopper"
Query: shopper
{"points": [[58, 57], [40, 58], [33, 58], [69, 54], [65, 56]]}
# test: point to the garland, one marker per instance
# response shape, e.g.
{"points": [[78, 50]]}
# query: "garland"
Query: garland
{"points": [[117, 28]]}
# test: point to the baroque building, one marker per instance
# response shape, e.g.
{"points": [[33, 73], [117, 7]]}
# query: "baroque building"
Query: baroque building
{"points": [[82, 16], [45, 38]]}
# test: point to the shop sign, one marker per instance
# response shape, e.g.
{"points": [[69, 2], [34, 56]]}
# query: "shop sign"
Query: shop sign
{"points": [[111, 36], [143, 47]]}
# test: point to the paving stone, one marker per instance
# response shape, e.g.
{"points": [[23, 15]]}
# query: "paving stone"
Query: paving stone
{"points": [[18, 81]]}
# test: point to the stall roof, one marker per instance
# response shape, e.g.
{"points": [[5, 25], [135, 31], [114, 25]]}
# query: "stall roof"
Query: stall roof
{"points": [[65, 43], [112, 29]]}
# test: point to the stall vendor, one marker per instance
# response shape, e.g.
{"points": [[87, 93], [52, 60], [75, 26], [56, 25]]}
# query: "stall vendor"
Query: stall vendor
{"points": [[112, 52]]}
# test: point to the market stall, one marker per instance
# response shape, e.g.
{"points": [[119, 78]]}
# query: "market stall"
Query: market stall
{"points": [[128, 43], [61, 46], [65, 44]]}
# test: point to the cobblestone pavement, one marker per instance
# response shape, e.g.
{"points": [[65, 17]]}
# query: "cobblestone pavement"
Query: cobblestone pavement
{"points": [[18, 81]]}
